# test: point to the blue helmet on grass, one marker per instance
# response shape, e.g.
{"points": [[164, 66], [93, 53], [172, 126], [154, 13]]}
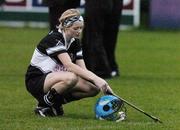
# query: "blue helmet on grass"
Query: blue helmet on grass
{"points": [[107, 106]]}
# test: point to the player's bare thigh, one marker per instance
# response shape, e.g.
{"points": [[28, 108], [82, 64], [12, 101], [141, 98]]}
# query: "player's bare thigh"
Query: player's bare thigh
{"points": [[85, 86], [55, 77]]}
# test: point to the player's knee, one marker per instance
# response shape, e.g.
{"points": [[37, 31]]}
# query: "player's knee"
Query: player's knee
{"points": [[71, 80]]}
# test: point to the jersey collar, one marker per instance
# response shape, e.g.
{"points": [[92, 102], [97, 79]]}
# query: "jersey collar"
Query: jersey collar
{"points": [[67, 45]]}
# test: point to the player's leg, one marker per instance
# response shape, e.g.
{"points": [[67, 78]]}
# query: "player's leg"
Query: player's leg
{"points": [[51, 99], [82, 89], [111, 34], [92, 41], [58, 83]]}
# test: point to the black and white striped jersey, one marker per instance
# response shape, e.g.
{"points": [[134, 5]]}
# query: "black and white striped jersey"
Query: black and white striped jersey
{"points": [[45, 60]]}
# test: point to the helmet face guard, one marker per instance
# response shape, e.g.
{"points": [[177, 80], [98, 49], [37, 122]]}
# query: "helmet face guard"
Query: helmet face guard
{"points": [[107, 107]]}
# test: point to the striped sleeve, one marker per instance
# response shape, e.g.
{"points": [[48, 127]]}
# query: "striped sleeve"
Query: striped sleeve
{"points": [[57, 49], [79, 54]]}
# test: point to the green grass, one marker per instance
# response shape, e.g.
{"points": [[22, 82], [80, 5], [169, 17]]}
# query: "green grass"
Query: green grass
{"points": [[150, 77]]}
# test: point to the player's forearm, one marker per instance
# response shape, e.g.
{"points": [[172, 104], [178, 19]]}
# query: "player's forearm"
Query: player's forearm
{"points": [[84, 73]]}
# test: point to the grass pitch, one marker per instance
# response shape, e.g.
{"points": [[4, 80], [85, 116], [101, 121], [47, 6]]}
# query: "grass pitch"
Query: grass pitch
{"points": [[150, 77]]}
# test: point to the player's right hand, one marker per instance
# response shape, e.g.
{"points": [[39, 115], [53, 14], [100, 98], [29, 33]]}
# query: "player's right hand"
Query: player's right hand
{"points": [[103, 85]]}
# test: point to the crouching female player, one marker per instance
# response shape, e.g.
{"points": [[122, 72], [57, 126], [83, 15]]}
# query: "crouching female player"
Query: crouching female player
{"points": [[57, 73]]}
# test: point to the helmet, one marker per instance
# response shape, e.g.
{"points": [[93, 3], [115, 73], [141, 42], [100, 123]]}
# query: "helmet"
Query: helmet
{"points": [[107, 106]]}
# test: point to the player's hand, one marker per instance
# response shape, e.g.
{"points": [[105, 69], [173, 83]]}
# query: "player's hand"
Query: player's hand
{"points": [[108, 91], [103, 85]]}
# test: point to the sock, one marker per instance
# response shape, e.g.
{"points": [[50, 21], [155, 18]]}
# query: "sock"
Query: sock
{"points": [[49, 98], [60, 99], [69, 98]]}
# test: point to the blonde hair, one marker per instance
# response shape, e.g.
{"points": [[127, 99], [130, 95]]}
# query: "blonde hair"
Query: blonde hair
{"points": [[67, 15]]}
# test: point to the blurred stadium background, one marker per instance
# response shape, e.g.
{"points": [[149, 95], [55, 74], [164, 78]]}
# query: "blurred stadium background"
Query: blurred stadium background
{"points": [[35, 14], [136, 13]]}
